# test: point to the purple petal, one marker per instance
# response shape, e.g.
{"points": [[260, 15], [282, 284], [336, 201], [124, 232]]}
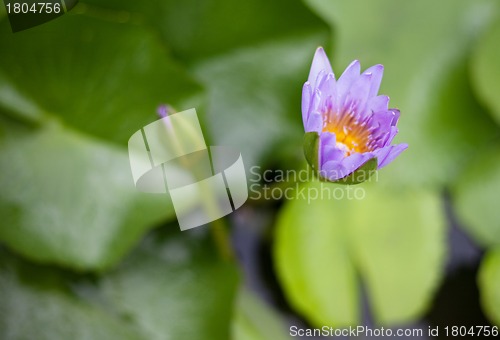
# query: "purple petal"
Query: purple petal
{"points": [[320, 62], [329, 108], [347, 78], [315, 101], [385, 119], [358, 94], [382, 121], [390, 136], [328, 90], [378, 104], [306, 102], [335, 170], [320, 79], [329, 84], [354, 161], [377, 72], [314, 123], [387, 154], [328, 150], [383, 127], [395, 116], [382, 139]]}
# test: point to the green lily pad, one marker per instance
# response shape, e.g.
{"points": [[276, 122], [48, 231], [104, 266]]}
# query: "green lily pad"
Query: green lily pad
{"points": [[174, 286], [475, 197], [486, 70], [84, 86], [254, 320], [197, 31], [489, 276], [30, 310], [330, 233], [101, 78], [68, 199]]}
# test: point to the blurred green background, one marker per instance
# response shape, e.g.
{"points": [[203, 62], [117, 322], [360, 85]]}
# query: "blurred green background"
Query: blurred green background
{"points": [[83, 255]]}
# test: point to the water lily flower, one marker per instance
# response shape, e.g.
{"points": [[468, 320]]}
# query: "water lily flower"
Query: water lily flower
{"points": [[349, 127]]}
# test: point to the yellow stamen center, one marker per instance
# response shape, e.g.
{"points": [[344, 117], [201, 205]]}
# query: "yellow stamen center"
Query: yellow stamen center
{"points": [[352, 136]]}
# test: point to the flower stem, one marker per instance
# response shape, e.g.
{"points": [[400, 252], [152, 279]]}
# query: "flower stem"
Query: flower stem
{"points": [[218, 227], [221, 239]]}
